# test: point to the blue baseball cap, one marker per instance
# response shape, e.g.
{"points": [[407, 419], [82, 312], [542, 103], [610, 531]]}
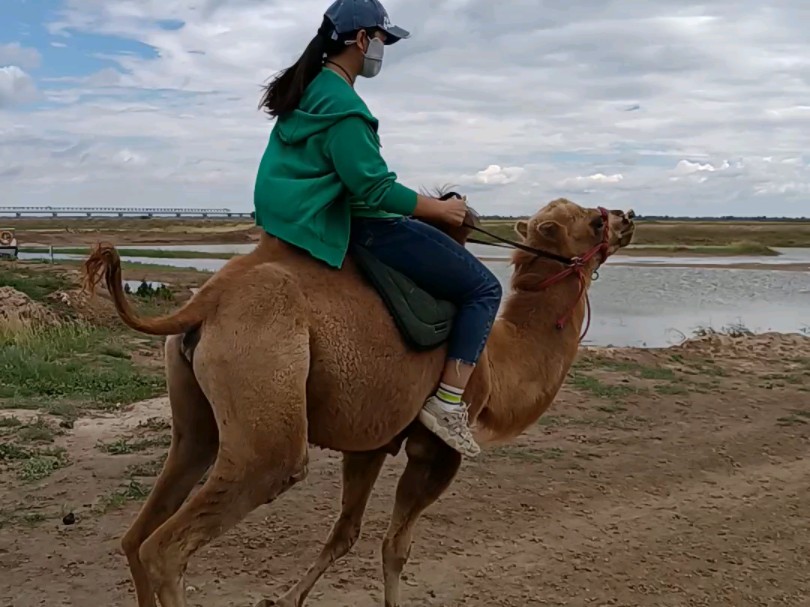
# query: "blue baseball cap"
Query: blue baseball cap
{"points": [[352, 15]]}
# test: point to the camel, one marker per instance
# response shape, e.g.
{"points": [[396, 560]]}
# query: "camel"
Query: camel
{"points": [[276, 353]]}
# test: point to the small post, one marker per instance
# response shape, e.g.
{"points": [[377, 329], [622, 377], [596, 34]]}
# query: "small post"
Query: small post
{"points": [[50, 252]]}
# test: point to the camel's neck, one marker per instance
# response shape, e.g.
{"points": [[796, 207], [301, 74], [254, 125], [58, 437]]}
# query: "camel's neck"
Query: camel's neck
{"points": [[528, 356]]}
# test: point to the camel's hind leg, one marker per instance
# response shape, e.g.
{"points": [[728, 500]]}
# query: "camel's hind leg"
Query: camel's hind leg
{"points": [[360, 472], [261, 415], [194, 444], [431, 467]]}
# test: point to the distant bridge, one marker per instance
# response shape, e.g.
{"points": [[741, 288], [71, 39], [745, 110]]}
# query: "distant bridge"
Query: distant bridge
{"points": [[145, 212]]}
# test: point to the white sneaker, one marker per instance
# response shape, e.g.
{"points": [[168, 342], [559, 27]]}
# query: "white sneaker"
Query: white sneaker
{"points": [[453, 426]]}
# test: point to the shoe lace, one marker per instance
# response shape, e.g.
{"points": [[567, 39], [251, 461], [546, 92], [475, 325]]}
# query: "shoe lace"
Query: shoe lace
{"points": [[462, 420]]}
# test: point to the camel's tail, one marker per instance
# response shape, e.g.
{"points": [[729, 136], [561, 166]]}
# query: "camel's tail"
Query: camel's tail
{"points": [[104, 262]]}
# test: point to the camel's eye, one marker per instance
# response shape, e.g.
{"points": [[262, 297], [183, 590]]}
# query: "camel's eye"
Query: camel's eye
{"points": [[598, 223]]}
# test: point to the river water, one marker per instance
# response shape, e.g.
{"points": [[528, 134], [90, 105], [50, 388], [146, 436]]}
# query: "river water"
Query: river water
{"points": [[644, 304]]}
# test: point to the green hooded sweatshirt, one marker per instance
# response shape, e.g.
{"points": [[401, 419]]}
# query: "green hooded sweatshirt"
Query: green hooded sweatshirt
{"points": [[323, 165]]}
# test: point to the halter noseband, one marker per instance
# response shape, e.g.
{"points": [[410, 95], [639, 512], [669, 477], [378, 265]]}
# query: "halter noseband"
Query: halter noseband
{"points": [[573, 265]]}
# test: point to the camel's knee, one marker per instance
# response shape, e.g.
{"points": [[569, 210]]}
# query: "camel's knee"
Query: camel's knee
{"points": [[280, 481], [163, 563], [153, 561], [131, 542], [193, 450]]}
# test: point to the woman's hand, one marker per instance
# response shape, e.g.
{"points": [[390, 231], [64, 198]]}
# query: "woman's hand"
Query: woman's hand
{"points": [[451, 212]]}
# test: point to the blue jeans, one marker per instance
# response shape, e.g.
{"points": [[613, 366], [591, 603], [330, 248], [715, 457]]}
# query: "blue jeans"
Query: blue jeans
{"points": [[443, 268]]}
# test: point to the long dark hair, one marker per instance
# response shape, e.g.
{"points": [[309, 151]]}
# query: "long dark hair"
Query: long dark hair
{"points": [[284, 93]]}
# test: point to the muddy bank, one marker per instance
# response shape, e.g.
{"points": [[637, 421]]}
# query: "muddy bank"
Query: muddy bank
{"points": [[777, 267]]}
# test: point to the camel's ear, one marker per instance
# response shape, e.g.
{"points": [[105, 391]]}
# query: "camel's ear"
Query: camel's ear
{"points": [[522, 228], [551, 230]]}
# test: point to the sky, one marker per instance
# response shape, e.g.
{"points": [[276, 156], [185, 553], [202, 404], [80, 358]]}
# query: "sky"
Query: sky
{"points": [[669, 107]]}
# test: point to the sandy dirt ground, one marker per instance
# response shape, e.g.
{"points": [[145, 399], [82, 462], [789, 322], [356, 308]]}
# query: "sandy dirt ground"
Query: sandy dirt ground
{"points": [[667, 478]]}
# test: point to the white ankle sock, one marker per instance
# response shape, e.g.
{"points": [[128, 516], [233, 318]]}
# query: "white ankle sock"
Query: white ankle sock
{"points": [[449, 397]]}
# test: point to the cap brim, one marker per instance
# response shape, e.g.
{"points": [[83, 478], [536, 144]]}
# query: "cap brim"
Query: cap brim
{"points": [[394, 34]]}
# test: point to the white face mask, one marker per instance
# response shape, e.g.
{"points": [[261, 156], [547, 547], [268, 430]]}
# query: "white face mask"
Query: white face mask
{"points": [[372, 58]]}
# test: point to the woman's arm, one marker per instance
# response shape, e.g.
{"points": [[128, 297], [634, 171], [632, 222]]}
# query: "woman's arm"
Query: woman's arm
{"points": [[353, 148]]}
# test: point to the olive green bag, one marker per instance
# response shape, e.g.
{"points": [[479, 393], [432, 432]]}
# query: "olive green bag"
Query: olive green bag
{"points": [[424, 321]]}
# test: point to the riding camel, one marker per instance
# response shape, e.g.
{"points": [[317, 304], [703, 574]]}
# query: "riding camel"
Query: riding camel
{"points": [[277, 352]]}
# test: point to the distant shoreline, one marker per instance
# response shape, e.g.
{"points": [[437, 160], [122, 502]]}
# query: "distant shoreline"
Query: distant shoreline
{"points": [[690, 238], [746, 250]]}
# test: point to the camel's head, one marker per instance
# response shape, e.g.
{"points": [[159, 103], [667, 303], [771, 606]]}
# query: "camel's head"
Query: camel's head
{"points": [[568, 230]]}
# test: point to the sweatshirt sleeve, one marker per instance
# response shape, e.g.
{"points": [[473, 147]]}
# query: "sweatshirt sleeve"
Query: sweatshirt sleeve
{"points": [[352, 146]]}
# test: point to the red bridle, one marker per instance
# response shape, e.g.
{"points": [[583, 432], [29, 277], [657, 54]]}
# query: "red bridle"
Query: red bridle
{"points": [[577, 266], [574, 266]]}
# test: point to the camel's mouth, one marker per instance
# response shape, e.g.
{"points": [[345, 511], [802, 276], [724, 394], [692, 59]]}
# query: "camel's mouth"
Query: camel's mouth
{"points": [[626, 228], [626, 236]]}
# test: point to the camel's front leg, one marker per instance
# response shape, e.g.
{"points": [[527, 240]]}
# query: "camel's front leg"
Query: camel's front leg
{"points": [[360, 472], [432, 465]]}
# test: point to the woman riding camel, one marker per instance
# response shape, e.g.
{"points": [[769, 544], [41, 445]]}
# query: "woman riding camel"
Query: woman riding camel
{"points": [[322, 184]]}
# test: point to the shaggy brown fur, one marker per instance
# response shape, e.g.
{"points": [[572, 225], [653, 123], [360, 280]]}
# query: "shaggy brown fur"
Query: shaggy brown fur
{"points": [[292, 353]]}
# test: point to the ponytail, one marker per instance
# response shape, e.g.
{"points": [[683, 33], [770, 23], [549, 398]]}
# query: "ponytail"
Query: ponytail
{"points": [[284, 93]]}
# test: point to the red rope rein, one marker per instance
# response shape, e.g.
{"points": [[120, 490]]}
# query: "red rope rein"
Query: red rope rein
{"points": [[577, 267]]}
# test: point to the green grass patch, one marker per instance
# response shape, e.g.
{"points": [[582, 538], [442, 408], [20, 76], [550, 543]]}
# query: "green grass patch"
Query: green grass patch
{"points": [[638, 370], [155, 424], [37, 285], [115, 352], [147, 469], [133, 491], [38, 431], [124, 446], [68, 363], [588, 383], [33, 464], [42, 464], [10, 422], [739, 235], [9, 518]]}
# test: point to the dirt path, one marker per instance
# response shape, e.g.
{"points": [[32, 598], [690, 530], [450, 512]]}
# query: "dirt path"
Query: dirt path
{"points": [[660, 478]]}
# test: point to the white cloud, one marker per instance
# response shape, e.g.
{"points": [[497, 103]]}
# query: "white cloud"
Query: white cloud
{"points": [[686, 106], [596, 178], [495, 175], [685, 167], [15, 86], [589, 184], [16, 54]]}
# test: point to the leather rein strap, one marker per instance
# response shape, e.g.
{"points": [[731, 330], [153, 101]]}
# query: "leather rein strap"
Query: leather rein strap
{"points": [[574, 266]]}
